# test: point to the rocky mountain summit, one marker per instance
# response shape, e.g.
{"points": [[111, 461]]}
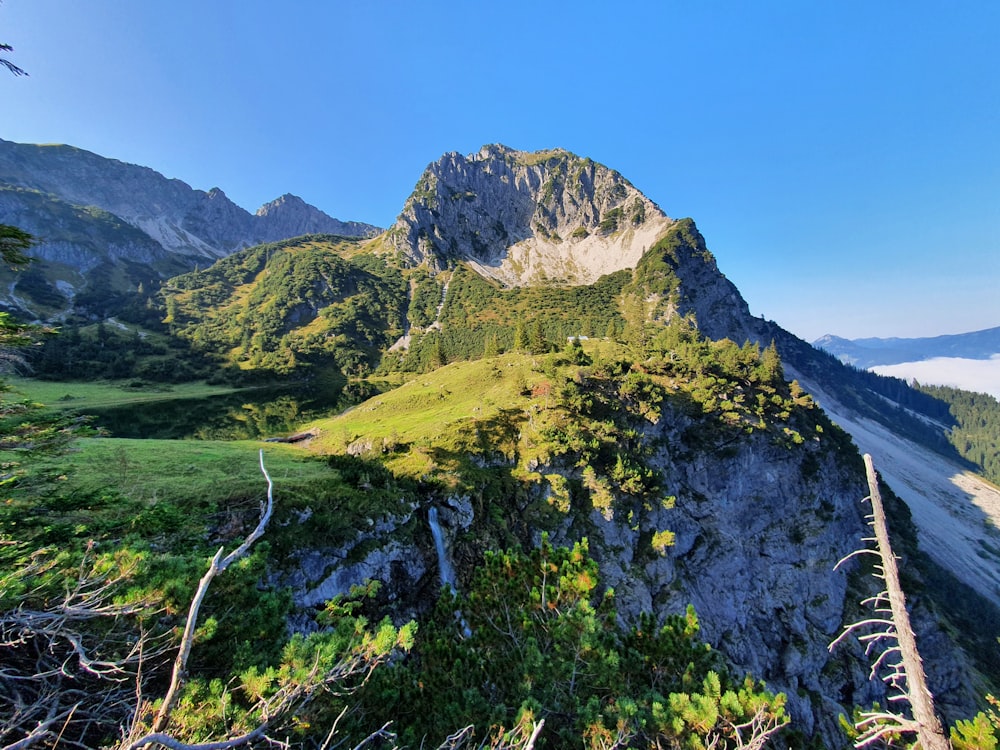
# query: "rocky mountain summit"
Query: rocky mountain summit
{"points": [[524, 218], [290, 216]]}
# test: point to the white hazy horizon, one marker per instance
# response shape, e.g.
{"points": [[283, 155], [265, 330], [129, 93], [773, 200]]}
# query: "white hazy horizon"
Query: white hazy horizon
{"points": [[978, 375]]}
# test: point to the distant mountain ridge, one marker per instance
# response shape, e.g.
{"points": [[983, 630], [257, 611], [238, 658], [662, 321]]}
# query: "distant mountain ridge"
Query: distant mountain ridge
{"points": [[177, 216], [873, 352], [104, 223]]}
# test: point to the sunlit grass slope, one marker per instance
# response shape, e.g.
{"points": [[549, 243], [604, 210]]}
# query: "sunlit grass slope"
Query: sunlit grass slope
{"points": [[422, 413]]}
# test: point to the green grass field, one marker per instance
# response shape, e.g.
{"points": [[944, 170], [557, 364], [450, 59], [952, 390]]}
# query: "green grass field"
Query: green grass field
{"points": [[421, 409], [106, 393], [164, 491]]}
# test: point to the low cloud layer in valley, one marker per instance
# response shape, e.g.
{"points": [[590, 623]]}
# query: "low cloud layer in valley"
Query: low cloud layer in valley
{"points": [[979, 375]]}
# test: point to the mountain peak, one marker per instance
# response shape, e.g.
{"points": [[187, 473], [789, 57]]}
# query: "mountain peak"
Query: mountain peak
{"points": [[528, 217], [282, 203], [288, 216]]}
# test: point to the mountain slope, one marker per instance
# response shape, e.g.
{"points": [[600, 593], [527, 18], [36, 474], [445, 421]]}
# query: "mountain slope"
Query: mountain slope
{"points": [[308, 300], [174, 228], [686, 492], [955, 511], [180, 218], [85, 258], [682, 402]]}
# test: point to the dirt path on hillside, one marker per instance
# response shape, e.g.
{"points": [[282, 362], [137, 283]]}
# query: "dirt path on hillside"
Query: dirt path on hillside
{"points": [[957, 514]]}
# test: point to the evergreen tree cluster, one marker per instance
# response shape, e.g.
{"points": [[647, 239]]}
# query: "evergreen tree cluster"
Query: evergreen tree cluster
{"points": [[537, 636], [281, 306], [103, 350], [976, 425]]}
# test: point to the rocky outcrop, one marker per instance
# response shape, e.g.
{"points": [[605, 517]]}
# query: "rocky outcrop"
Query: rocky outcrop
{"points": [[758, 529], [523, 218], [290, 216]]}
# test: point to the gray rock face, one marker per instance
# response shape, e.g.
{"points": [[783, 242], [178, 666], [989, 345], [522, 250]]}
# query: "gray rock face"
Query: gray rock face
{"points": [[755, 545], [123, 213], [758, 530], [290, 216], [524, 218], [181, 219]]}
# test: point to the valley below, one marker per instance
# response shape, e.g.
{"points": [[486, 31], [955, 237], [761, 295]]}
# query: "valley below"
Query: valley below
{"points": [[957, 513]]}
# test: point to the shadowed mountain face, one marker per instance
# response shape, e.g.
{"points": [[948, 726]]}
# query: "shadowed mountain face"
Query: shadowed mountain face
{"points": [[105, 224]]}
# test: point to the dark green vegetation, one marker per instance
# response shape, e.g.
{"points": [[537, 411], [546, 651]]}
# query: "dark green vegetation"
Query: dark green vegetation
{"points": [[536, 637], [314, 300], [974, 419], [320, 300], [142, 409], [13, 244], [141, 351]]}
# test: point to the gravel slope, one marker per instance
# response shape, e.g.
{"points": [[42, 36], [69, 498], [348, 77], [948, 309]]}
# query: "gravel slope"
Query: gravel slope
{"points": [[957, 513]]}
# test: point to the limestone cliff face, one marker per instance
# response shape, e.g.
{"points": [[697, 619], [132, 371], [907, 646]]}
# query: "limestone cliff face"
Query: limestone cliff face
{"points": [[524, 218], [756, 541]]}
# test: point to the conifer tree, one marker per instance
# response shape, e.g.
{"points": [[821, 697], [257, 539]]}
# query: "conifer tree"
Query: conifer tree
{"points": [[537, 343], [437, 355], [520, 338], [490, 346]]}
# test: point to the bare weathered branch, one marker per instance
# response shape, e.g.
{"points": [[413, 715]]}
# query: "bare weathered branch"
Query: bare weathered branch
{"points": [[907, 675], [218, 565]]}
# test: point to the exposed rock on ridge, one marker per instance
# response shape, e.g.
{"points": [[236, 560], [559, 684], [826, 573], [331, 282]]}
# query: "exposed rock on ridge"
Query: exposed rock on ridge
{"points": [[181, 219], [290, 216], [102, 223], [524, 218]]}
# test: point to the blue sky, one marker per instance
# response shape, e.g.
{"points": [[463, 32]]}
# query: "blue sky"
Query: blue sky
{"points": [[841, 158]]}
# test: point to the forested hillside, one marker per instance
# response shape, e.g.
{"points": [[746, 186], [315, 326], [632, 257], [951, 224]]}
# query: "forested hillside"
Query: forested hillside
{"points": [[311, 300], [975, 430]]}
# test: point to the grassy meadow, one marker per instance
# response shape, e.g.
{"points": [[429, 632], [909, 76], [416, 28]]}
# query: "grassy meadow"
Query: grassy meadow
{"points": [[99, 394]]}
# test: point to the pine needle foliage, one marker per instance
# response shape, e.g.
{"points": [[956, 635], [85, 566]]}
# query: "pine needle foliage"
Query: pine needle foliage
{"points": [[536, 634]]}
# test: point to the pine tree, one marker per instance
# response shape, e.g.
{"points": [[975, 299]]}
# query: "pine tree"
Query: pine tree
{"points": [[520, 338], [490, 346], [437, 355], [537, 343]]}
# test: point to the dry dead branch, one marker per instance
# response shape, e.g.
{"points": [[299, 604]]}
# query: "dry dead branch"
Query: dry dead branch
{"points": [[892, 638], [67, 668]]}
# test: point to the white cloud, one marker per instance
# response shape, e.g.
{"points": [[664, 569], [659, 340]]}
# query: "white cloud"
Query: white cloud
{"points": [[980, 375]]}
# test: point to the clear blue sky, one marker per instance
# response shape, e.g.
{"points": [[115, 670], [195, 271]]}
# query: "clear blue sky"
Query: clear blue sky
{"points": [[841, 158]]}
